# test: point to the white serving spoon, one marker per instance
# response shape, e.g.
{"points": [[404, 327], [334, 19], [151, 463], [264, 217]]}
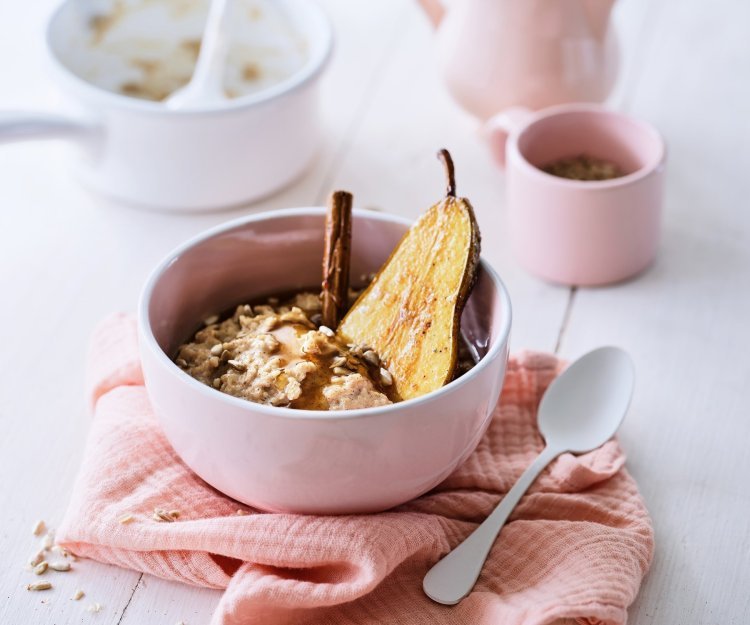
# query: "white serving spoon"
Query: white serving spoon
{"points": [[207, 83], [580, 411]]}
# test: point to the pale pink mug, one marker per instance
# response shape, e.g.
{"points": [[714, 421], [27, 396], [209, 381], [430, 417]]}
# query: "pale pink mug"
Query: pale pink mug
{"points": [[575, 232]]}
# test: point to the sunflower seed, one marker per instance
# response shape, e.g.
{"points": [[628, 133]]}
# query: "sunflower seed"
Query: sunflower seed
{"points": [[386, 378], [78, 595], [48, 541], [36, 559], [39, 528], [61, 566], [217, 349], [327, 331], [371, 357], [341, 371], [241, 512], [124, 520], [65, 553], [237, 365], [41, 567], [39, 586], [338, 361], [210, 320], [162, 515], [181, 363]]}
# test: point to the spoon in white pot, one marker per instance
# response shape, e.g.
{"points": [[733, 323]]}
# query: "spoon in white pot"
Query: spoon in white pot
{"points": [[580, 411], [207, 83]]}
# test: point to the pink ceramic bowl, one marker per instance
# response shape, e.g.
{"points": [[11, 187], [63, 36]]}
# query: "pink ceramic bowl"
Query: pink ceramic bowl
{"points": [[297, 460]]}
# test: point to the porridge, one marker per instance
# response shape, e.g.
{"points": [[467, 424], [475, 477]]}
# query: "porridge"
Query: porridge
{"points": [[276, 354]]}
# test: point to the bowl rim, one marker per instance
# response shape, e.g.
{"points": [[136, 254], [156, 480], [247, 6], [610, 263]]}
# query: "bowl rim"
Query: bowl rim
{"points": [[147, 340], [307, 73]]}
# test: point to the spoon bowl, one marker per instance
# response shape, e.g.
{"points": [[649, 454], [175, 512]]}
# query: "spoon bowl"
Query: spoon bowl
{"points": [[582, 409]]}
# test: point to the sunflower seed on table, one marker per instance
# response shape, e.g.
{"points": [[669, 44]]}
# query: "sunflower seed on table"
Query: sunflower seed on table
{"points": [[41, 567], [37, 558], [64, 552], [78, 595], [39, 528], [61, 566], [39, 586], [48, 541]]}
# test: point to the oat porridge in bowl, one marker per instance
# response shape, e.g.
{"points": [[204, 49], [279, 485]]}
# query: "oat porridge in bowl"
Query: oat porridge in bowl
{"points": [[277, 352], [273, 454]]}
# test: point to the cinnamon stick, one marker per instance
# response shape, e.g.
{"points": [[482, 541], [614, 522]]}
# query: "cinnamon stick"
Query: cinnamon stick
{"points": [[336, 257]]}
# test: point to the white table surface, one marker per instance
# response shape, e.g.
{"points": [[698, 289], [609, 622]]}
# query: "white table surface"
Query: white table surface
{"points": [[68, 257]]}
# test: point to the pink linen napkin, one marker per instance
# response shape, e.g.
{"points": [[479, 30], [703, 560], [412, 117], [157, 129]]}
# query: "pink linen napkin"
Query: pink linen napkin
{"points": [[577, 546]]}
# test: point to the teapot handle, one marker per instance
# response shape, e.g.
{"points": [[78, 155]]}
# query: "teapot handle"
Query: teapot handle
{"points": [[498, 128], [434, 10]]}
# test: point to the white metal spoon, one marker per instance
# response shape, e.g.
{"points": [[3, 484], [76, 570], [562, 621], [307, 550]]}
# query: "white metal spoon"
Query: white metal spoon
{"points": [[580, 411], [206, 86]]}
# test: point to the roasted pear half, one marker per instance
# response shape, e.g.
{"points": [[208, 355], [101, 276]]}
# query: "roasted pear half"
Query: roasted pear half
{"points": [[411, 311]]}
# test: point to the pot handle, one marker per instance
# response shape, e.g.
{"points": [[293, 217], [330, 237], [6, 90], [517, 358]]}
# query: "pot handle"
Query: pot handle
{"points": [[24, 126], [498, 128]]}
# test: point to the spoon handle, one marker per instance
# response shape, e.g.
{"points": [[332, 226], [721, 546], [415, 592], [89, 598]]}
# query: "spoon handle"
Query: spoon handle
{"points": [[453, 577], [209, 68]]}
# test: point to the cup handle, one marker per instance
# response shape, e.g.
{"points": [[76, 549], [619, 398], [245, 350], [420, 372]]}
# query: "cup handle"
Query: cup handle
{"points": [[24, 126], [498, 128]]}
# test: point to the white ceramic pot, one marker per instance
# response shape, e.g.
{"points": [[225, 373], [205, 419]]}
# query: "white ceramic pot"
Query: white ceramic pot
{"points": [[138, 151]]}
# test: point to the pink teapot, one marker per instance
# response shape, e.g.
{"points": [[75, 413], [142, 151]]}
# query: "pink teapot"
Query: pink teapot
{"points": [[497, 54]]}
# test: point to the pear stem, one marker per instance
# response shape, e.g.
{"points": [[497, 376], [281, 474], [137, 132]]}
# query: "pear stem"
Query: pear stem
{"points": [[450, 174]]}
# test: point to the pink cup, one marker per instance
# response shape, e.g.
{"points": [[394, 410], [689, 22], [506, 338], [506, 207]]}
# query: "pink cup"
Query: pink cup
{"points": [[575, 232]]}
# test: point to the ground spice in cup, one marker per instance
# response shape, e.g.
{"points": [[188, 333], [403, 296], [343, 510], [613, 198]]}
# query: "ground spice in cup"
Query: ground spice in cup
{"points": [[583, 167]]}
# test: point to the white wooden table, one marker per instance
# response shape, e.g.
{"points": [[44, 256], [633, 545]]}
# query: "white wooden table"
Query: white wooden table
{"points": [[67, 258]]}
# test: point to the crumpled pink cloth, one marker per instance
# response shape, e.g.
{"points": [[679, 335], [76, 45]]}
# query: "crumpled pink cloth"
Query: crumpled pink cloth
{"points": [[577, 546]]}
